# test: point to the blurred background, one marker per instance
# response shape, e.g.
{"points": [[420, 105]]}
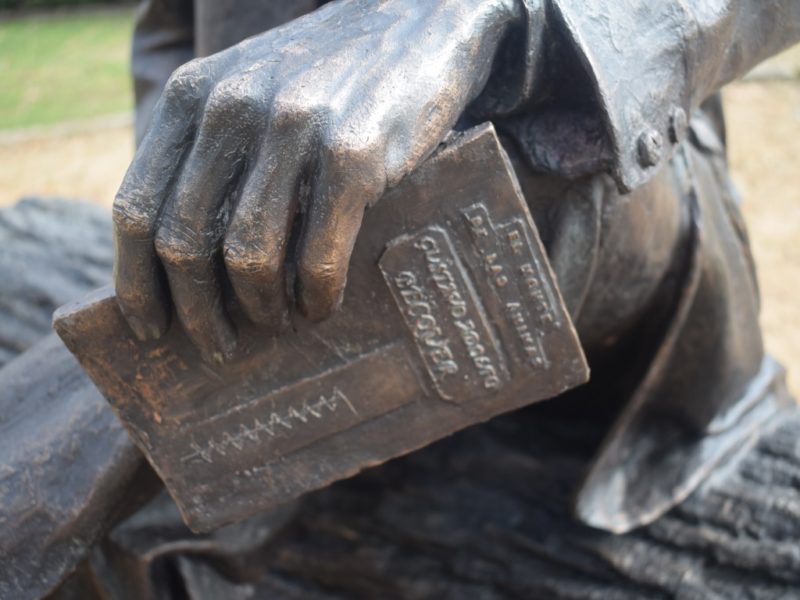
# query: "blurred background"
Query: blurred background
{"points": [[65, 130]]}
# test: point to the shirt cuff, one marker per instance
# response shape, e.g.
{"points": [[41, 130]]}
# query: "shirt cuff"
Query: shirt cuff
{"points": [[517, 67], [634, 57]]}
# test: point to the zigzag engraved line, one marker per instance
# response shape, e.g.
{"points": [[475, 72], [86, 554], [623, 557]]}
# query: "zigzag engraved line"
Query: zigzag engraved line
{"points": [[292, 418]]}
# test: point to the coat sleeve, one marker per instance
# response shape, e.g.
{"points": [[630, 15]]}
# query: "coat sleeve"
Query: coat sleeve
{"points": [[163, 39], [642, 67]]}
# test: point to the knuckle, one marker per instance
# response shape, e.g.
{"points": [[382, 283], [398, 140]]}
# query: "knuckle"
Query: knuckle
{"points": [[233, 98], [217, 108], [129, 300], [354, 163], [177, 247], [186, 82], [248, 261], [131, 219], [321, 273], [132, 299], [343, 150], [292, 108], [352, 183]]}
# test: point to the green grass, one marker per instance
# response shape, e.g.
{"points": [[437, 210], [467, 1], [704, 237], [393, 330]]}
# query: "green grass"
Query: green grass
{"points": [[64, 66]]}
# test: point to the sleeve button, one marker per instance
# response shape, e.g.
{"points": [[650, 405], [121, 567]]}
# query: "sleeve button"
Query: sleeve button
{"points": [[678, 124], [650, 147]]}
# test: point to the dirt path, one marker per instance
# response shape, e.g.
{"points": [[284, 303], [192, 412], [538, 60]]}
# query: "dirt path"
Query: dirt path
{"points": [[75, 161], [764, 129]]}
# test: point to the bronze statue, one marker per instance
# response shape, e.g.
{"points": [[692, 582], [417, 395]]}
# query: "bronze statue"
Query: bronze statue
{"points": [[259, 162], [452, 316]]}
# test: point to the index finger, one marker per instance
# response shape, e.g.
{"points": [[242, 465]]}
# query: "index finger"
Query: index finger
{"points": [[138, 276]]}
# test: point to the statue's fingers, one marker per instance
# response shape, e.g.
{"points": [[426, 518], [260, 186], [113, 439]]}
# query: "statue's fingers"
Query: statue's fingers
{"points": [[140, 285], [190, 233], [348, 181], [256, 241]]}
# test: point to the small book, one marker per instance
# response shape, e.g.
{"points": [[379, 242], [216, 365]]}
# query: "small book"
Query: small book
{"points": [[451, 316]]}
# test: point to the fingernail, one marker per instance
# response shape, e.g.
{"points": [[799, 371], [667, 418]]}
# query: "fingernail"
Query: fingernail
{"points": [[220, 357], [317, 311], [274, 319], [138, 327], [225, 346], [156, 331]]}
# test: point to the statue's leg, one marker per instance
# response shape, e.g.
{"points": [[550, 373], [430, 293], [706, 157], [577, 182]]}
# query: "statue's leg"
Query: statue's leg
{"points": [[68, 472], [485, 513], [67, 468], [53, 251]]}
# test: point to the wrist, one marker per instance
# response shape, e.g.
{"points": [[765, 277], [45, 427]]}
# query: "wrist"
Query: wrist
{"points": [[489, 16], [490, 23], [514, 10], [499, 16], [502, 10], [518, 58]]}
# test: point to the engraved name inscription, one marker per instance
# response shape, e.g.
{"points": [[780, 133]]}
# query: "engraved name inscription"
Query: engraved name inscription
{"points": [[530, 341], [443, 314], [515, 273], [439, 268], [530, 268], [431, 341]]}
